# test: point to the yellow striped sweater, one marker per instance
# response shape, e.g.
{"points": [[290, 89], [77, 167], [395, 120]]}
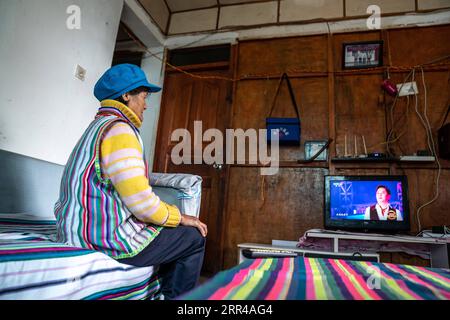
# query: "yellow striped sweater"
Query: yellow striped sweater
{"points": [[122, 162]]}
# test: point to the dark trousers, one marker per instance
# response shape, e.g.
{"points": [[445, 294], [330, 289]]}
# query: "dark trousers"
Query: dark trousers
{"points": [[179, 254]]}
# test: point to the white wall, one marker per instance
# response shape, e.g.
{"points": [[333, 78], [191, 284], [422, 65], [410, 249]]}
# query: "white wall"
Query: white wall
{"points": [[138, 20], [44, 108]]}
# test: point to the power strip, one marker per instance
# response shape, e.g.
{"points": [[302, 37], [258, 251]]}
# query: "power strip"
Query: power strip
{"points": [[407, 89], [435, 235], [417, 158]]}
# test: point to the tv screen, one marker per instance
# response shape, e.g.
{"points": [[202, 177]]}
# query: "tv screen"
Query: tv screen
{"points": [[366, 203]]}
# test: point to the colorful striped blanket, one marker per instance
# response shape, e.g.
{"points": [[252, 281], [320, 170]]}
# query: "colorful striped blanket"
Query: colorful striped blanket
{"points": [[324, 279], [34, 267]]}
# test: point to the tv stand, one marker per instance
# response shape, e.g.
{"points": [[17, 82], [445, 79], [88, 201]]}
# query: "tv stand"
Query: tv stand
{"points": [[286, 249], [438, 247]]}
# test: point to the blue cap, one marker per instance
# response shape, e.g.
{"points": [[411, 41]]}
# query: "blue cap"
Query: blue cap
{"points": [[121, 79]]}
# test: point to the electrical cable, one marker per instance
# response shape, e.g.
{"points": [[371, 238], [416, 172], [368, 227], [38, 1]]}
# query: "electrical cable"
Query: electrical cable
{"points": [[402, 133], [430, 234], [388, 139], [425, 121], [391, 138], [391, 133]]}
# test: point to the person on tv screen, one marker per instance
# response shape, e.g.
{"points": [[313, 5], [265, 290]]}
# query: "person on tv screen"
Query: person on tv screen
{"points": [[382, 210]]}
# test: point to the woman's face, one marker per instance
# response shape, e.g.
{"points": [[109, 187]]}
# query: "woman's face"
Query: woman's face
{"points": [[382, 195], [137, 103]]}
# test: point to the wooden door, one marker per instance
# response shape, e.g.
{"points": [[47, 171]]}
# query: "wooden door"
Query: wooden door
{"points": [[185, 100]]}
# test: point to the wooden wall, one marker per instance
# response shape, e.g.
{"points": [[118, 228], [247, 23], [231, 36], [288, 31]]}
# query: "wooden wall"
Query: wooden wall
{"points": [[333, 104]]}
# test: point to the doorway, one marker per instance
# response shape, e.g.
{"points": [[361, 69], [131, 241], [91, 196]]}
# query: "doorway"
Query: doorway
{"points": [[187, 99]]}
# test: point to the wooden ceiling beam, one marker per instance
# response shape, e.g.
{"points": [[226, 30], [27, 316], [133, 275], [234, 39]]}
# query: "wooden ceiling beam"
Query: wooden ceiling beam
{"points": [[219, 5]]}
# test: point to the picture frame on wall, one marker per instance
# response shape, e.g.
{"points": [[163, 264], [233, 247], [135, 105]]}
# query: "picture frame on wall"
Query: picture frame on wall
{"points": [[312, 147], [360, 55]]}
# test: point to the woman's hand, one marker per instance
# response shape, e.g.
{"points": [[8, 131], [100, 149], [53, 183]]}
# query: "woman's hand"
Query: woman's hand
{"points": [[194, 222]]}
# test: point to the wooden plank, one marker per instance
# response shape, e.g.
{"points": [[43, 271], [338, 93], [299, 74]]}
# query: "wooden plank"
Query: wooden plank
{"points": [[253, 103], [359, 113], [281, 55], [414, 46], [331, 101]]}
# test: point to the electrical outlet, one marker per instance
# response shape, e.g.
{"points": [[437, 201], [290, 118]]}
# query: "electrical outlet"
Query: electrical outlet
{"points": [[80, 73], [407, 89]]}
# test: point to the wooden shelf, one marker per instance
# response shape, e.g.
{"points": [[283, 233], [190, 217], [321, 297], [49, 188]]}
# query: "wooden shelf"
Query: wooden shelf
{"points": [[288, 164], [384, 163], [377, 160], [383, 160]]}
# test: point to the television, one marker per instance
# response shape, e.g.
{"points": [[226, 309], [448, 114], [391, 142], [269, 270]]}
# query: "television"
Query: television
{"points": [[367, 203]]}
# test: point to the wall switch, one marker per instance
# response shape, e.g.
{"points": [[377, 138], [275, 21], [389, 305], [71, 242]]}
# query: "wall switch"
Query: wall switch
{"points": [[80, 73], [407, 89]]}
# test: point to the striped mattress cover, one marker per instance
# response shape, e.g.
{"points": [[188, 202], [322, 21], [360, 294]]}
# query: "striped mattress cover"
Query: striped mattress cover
{"points": [[324, 279], [34, 267]]}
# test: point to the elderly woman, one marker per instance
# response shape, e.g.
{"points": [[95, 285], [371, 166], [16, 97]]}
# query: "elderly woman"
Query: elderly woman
{"points": [[106, 202]]}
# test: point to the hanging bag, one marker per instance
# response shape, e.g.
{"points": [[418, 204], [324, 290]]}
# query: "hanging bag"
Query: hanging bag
{"points": [[287, 129]]}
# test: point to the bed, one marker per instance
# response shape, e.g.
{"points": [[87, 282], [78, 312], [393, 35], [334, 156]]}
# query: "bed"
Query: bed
{"points": [[323, 279], [33, 266]]}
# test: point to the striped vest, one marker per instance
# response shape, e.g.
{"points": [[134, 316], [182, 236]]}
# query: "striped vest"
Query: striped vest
{"points": [[89, 212]]}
